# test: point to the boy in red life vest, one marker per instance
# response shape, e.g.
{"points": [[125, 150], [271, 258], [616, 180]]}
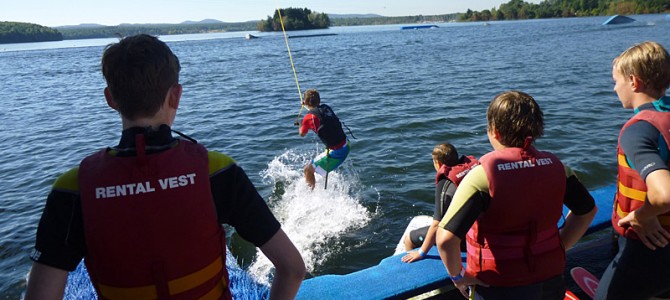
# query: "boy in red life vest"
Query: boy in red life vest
{"points": [[507, 209], [146, 215], [321, 119], [641, 214], [450, 171]]}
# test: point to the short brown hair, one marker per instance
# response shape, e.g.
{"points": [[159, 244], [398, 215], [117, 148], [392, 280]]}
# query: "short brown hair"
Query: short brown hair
{"points": [[312, 98], [139, 71], [649, 62], [445, 154], [516, 116]]}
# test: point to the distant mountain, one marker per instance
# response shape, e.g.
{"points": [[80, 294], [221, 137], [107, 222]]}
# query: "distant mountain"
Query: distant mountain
{"points": [[205, 21], [345, 16], [83, 25]]}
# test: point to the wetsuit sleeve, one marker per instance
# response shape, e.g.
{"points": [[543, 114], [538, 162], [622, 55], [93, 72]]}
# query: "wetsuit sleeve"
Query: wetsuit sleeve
{"points": [[310, 121], [577, 197], [444, 192], [238, 204], [640, 144], [59, 241], [470, 200]]}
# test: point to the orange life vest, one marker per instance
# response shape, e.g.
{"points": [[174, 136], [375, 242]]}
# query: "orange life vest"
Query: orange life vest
{"points": [[456, 173], [631, 189], [515, 242], [150, 225]]}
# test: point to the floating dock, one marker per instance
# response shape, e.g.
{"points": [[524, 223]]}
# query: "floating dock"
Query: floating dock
{"points": [[419, 26], [617, 19]]}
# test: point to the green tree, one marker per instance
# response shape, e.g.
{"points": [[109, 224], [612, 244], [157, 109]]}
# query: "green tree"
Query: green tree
{"points": [[294, 19], [16, 32]]}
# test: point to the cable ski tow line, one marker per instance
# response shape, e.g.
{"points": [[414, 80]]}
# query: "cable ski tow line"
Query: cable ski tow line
{"points": [[290, 57]]}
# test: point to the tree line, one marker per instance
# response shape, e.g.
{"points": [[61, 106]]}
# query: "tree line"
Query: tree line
{"points": [[519, 9], [16, 32], [395, 20], [303, 18], [78, 32]]}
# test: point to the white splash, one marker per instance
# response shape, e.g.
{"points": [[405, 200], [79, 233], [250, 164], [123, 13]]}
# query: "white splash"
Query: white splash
{"points": [[311, 218]]}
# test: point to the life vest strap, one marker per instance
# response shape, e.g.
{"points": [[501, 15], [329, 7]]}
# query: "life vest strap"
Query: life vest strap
{"points": [[519, 252], [632, 193], [176, 286], [514, 247], [503, 240]]}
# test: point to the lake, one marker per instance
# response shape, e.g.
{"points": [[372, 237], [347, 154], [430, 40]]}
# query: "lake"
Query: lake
{"points": [[399, 91]]}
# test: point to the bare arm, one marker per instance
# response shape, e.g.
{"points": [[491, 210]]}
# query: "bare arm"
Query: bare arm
{"points": [[289, 266], [645, 219], [449, 246], [575, 227], [46, 282]]}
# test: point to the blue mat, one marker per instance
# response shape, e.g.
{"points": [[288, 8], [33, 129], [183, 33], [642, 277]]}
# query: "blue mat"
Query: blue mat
{"points": [[393, 279], [390, 279]]}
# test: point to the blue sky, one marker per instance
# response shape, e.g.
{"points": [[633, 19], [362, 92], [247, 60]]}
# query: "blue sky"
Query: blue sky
{"points": [[114, 12]]}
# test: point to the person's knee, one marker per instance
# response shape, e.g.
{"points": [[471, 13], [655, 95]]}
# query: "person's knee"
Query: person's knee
{"points": [[309, 169], [409, 245]]}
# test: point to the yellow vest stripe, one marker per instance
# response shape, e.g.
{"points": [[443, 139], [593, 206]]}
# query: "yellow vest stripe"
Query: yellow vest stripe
{"points": [[632, 193], [195, 279], [175, 286], [622, 160]]}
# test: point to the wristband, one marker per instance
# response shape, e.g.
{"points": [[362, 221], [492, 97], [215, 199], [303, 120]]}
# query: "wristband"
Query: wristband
{"points": [[457, 277], [421, 253]]}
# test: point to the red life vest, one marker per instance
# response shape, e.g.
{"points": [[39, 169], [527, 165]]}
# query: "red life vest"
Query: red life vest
{"points": [[456, 173], [150, 225], [515, 241], [631, 189]]}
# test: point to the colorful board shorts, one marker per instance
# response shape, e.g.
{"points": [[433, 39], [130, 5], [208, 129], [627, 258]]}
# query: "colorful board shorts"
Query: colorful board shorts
{"points": [[330, 160]]}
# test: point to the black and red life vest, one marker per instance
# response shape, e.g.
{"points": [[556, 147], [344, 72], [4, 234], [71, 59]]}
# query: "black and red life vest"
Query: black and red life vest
{"points": [[516, 240], [330, 129], [150, 225], [456, 173], [631, 189]]}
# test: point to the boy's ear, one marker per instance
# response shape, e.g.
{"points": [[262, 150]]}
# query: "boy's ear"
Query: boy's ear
{"points": [[173, 96], [636, 83], [496, 134], [110, 100]]}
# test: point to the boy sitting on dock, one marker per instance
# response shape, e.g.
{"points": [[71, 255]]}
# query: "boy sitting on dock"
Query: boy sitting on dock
{"points": [[450, 171]]}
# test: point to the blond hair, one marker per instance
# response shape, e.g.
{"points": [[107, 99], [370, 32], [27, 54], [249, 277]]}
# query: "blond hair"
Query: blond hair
{"points": [[649, 62]]}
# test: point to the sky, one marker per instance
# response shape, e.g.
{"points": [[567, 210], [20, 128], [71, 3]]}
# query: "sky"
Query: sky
{"points": [[114, 12]]}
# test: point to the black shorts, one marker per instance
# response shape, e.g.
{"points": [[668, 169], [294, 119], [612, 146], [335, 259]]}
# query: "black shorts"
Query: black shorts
{"points": [[417, 236]]}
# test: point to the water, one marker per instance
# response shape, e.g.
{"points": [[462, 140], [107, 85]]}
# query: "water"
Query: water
{"points": [[400, 91]]}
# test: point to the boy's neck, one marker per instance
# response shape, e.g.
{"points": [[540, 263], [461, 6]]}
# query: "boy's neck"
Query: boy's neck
{"points": [[644, 98], [154, 123]]}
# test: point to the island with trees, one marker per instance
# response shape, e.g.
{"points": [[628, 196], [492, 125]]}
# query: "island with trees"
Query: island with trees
{"points": [[305, 19], [294, 19]]}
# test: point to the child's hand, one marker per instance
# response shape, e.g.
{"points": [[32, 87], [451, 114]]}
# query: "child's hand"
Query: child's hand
{"points": [[412, 257]]}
